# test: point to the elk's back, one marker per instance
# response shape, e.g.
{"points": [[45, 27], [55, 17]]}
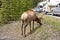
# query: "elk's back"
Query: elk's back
{"points": [[30, 15]]}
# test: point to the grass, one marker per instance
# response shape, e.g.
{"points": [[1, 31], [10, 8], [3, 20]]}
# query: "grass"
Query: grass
{"points": [[53, 21], [51, 25], [47, 30]]}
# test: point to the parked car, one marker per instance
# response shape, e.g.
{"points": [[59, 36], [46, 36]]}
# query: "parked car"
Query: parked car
{"points": [[37, 9], [56, 10], [40, 5]]}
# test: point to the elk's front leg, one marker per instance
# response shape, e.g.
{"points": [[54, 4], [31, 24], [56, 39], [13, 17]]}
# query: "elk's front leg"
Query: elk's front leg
{"points": [[33, 25], [22, 28], [30, 27], [25, 29]]}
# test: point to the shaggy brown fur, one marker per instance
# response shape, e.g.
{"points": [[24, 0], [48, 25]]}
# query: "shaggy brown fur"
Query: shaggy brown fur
{"points": [[26, 18]]}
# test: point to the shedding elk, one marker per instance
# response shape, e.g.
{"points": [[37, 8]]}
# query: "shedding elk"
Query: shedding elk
{"points": [[26, 19]]}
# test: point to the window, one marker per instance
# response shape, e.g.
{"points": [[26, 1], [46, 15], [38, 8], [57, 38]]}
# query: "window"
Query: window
{"points": [[41, 6], [59, 3], [48, 0]]}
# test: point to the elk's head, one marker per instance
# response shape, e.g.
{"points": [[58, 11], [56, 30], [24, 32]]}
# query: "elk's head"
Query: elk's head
{"points": [[38, 20]]}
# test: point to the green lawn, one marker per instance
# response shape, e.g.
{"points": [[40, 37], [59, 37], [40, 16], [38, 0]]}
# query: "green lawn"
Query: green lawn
{"points": [[50, 30], [52, 21], [50, 27]]}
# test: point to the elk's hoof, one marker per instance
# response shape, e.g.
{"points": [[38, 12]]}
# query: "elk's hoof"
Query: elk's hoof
{"points": [[21, 33], [24, 35], [40, 24]]}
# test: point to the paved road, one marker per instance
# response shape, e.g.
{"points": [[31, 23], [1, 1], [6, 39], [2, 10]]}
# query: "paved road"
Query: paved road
{"points": [[50, 14], [54, 16]]}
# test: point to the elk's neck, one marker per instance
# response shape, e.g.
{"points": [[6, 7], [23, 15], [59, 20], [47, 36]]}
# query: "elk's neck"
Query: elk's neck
{"points": [[38, 20]]}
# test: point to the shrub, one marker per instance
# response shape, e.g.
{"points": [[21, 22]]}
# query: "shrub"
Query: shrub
{"points": [[12, 9]]}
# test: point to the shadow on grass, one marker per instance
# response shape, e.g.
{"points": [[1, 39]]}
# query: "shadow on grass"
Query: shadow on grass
{"points": [[32, 31]]}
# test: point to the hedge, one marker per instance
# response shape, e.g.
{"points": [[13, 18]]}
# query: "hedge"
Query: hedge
{"points": [[11, 10]]}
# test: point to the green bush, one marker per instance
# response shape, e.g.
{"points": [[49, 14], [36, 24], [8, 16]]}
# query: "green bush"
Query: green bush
{"points": [[12, 9]]}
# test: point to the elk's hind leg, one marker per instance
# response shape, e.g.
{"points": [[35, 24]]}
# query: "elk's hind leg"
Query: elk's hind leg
{"points": [[25, 29]]}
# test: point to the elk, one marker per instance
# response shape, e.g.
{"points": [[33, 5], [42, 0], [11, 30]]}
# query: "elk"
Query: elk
{"points": [[26, 19]]}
